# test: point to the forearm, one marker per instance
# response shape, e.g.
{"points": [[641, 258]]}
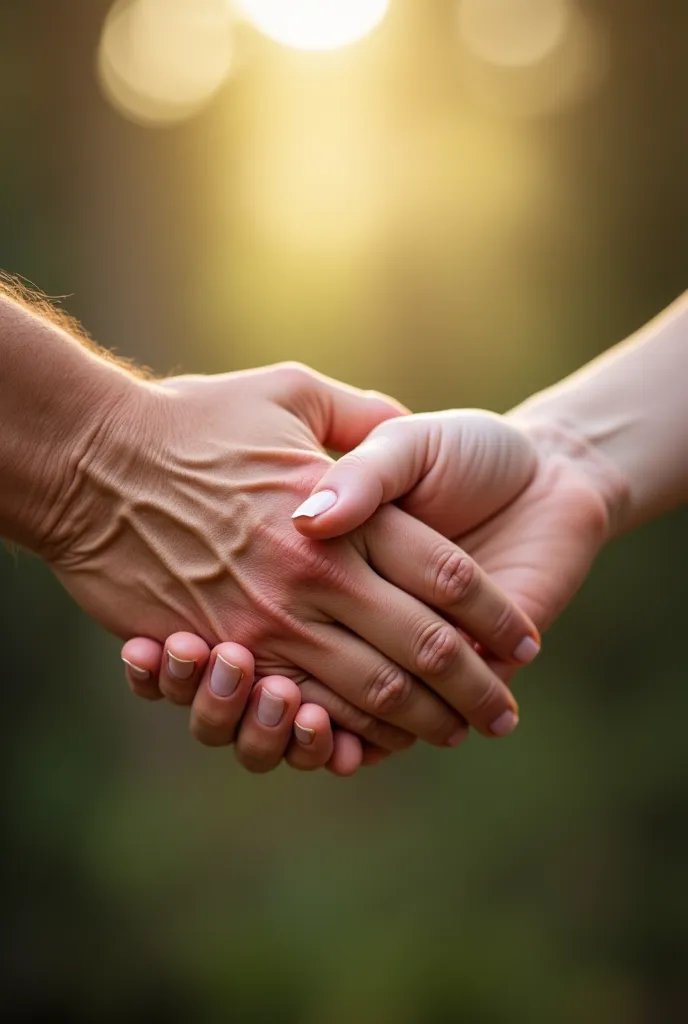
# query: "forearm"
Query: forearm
{"points": [[631, 407], [57, 398]]}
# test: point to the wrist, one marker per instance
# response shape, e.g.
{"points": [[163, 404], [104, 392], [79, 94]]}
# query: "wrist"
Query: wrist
{"points": [[74, 468], [58, 402], [626, 412], [557, 432]]}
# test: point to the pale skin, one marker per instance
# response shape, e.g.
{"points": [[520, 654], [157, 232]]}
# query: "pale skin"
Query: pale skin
{"points": [[550, 483], [164, 507]]}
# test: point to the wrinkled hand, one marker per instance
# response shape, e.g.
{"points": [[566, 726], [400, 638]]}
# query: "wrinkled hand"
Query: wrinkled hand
{"points": [[179, 520]]}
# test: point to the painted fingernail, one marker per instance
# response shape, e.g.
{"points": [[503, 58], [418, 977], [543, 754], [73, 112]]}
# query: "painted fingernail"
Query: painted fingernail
{"points": [[179, 668], [316, 504], [457, 738], [505, 724], [527, 650], [137, 673], [303, 735], [270, 708], [225, 677]]}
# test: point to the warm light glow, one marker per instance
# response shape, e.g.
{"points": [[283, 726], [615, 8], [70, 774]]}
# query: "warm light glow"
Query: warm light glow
{"points": [[161, 60], [513, 33], [314, 24], [560, 63]]}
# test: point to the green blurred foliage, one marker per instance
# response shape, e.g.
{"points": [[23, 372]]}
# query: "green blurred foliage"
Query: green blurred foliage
{"points": [[540, 879]]}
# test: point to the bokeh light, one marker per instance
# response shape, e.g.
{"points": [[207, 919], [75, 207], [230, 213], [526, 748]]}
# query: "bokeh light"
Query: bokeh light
{"points": [[513, 33], [530, 58], [160, 61], [314, 24]]}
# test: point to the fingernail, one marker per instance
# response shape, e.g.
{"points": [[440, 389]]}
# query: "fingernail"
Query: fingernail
{"points": [[527, 650], [137, 673], [457, 738], [316, 504], [303, 735], [225, 677], [179, 668], [505, 724], [270, 708]]}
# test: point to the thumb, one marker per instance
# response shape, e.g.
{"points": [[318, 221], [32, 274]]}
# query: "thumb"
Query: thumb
{"points": [[386, 466], [340, 416], [348, 415]]}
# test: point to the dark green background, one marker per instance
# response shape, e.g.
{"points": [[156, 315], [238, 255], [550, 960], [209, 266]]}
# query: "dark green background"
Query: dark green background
{"points": [[540, 879]]}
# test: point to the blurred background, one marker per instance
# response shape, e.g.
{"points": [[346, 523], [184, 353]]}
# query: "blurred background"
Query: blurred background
{"points": [[454, 202]]}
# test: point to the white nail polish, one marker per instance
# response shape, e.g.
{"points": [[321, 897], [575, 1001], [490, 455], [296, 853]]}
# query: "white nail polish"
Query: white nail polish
{"points": [[180, 668], [270, 709], [527, 650], [316, 504], [303, 735], [225, 677], [137, 673]]}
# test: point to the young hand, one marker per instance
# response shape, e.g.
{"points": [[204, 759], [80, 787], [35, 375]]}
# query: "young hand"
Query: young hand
{"points": [[530, 503]]}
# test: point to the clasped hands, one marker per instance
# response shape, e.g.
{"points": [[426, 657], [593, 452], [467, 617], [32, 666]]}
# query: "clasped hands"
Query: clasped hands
{"points": [[388, 621]]}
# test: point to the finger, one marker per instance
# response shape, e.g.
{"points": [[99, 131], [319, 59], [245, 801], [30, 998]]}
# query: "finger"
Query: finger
{"points": [[222, 696], [266, 728], [503, 669], [364, 677], [265, 731], [430, 650], [340, 416], [142, 658], [347, 757], [384, 467], [445, 577], [312, 744], [184, 659], [351, 719]]}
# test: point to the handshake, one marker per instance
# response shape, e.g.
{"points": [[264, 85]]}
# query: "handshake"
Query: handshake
{"points": [[328, 613], [410, 626]]}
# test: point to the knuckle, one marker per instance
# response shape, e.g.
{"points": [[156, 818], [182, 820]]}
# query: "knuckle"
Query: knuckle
{"points": [[389, 690], [436, 649], [486, 698], [293, 375], [456, 578], [506, 624]]}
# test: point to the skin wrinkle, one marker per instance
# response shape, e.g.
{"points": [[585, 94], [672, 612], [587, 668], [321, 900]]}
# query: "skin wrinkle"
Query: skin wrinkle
{"points": [[86, 457], [164, 487], [214, 520], [200, 560]]}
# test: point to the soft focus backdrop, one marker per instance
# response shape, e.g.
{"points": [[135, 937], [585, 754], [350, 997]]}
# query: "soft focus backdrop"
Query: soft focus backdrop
{"points": [[458, 208]]}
